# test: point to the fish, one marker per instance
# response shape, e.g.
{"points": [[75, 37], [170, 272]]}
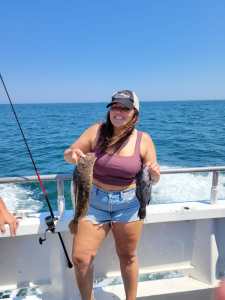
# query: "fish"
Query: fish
{"points": [[82, 185], [143, 190]]}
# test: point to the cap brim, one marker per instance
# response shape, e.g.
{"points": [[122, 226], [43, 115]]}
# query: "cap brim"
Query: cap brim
{"points": [[125, 102]]}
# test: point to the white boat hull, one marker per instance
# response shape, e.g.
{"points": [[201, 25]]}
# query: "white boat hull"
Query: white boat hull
{"points": [[186, 238]]}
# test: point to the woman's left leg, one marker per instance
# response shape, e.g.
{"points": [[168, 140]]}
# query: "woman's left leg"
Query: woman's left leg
{"points": [[126, 237]]}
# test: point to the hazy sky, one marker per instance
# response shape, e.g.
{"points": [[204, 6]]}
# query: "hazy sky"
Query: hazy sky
{"points": [[84, 50]]}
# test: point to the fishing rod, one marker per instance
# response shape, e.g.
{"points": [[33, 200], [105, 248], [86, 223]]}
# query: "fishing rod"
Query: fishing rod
{"points": [[50, 219]]}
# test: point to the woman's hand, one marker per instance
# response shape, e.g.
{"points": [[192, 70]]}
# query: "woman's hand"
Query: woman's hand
{"points": [[7, 218], [154, 170], [72, 155]]}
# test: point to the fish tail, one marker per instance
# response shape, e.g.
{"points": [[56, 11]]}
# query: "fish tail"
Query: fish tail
{"points": [[73, 226], [142, 213]]}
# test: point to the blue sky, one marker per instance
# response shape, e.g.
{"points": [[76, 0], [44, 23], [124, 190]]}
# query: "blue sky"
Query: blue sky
{"points": [[67, 51]]}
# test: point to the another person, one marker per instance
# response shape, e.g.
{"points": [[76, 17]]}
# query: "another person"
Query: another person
{"points": [[121, 151], [7, 218]]}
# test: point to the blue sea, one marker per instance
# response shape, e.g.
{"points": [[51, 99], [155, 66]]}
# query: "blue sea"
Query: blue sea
{"points": [[185, 133]]}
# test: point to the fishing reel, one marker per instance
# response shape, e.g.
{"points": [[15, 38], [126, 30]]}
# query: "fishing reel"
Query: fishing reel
{"points": [[50, 222]]}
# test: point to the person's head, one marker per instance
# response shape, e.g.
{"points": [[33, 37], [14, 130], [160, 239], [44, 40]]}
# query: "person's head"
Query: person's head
{"points": [[123, 109], [123, 115], [127, 98]]}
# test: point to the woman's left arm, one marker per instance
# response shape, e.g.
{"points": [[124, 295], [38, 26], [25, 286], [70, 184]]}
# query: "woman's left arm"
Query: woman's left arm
{"points": [[149, 157]]}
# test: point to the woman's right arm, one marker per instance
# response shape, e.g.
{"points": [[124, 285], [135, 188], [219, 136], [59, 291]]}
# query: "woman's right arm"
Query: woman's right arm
{"points": [[83, 145]]}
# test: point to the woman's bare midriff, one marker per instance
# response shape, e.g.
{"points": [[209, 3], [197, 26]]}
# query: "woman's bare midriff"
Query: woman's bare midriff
{"points": [[108, 187]]}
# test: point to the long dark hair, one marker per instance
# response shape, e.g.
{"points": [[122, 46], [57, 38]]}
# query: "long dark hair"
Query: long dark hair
{"points": [[109, 143]]}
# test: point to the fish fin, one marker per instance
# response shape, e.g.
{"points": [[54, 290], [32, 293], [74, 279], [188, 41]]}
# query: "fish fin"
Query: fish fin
{"points": [[76, 190], [75, 185], [73, 226]]}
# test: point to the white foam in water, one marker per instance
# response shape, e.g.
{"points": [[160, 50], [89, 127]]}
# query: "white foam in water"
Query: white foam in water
{"points": [[18, 197], [186, 187]]}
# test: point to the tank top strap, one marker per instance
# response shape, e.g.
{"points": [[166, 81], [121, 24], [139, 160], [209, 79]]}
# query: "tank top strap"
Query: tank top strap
{"points": [[138, 143]]}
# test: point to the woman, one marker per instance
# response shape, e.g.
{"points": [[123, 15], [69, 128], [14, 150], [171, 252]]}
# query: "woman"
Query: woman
{"points": [[121, 151]]}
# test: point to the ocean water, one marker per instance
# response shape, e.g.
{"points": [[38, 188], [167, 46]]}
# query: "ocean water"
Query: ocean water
{"points": [[185, 133]]}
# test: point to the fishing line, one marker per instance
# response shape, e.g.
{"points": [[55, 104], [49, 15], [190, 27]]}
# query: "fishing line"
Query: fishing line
{"points": [[52, 217]]}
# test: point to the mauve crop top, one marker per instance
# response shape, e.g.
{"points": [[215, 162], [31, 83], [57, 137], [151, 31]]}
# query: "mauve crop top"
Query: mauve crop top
{"points": [[116, 169]]}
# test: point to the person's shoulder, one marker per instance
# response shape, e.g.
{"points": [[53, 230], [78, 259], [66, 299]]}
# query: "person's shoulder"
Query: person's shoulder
{"points": [[146, 142], [147, 146], [145, 137], [94, 128], [92, 132]]}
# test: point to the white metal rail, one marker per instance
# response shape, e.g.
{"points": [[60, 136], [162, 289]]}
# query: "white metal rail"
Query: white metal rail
{"points": [[60, 178]]}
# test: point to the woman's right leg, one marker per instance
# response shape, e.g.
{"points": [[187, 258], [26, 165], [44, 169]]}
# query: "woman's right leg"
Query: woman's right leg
{"points": [[86, 242]]}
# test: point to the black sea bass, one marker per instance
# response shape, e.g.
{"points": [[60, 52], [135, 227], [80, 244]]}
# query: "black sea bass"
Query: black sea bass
{"points": [[143, 190], [82, 184]]}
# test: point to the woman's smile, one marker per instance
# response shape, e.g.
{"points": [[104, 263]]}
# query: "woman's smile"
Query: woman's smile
{"points": [[120, 115], [118, 118]]}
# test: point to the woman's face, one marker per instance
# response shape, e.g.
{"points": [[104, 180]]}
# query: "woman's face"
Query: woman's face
{"points": [[120, 115]]}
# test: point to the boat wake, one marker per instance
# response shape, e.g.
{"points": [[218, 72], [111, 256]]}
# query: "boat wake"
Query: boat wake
{"points": [[20, 198], [186, 187]]}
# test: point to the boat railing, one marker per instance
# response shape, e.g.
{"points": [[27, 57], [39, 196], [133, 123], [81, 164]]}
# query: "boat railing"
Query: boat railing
{"points": [[61, 178]]}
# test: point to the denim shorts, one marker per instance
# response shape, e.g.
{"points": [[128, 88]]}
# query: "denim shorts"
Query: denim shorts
{"points": [[114, 206]]}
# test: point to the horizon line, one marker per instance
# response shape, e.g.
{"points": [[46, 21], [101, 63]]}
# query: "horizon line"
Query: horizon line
{"points": [[99, 101]]}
